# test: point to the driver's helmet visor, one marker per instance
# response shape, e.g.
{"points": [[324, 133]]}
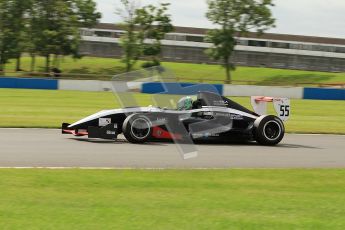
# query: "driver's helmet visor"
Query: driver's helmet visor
{"points": [[185, 103]]}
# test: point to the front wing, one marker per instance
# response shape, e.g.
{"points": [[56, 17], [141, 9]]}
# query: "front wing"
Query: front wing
{"points": [[109, 132]]}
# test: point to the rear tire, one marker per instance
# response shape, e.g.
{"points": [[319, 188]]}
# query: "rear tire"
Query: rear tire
{"points": [[269, 130], [137, 128]]}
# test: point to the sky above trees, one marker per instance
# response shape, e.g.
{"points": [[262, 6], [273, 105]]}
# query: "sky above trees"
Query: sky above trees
{"points": [[305, 17]]}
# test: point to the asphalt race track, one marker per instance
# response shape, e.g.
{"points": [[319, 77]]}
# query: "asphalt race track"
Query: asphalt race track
{"points": [[48, 148]]}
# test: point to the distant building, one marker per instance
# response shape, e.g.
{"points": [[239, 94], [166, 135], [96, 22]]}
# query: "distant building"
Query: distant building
{"points": [[269, 50]]}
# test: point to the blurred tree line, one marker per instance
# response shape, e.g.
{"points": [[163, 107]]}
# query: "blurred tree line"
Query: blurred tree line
{"points": [[146, 26], [51, 28], [48, 28]]}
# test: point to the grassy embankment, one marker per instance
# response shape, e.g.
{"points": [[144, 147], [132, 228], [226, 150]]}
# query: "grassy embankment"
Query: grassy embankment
{"points": [[172, 199], [48, 109], [191, 72]]}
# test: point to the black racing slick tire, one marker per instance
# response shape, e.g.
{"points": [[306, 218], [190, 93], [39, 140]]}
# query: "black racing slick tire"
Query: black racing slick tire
{"points": [[137, 128], [269, 130]]}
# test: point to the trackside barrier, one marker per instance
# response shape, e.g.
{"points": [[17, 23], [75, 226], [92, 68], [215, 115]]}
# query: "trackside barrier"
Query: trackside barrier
{"points": [[324, 94], [84, 85], [28, 83], [179, 88], [176, 88], [270, 91], [93, 86]]}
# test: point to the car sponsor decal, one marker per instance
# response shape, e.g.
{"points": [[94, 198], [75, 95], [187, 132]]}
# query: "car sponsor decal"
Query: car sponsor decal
{"points": [[104, 122]]}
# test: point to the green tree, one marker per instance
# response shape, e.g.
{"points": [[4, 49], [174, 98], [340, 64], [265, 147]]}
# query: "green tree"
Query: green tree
{"points": [[145, 28], [32, 31], [154, 24], [235, 18], [8, 41], [130, 41], [19, 26], [46, 27], [86, 12], [57, 25]]}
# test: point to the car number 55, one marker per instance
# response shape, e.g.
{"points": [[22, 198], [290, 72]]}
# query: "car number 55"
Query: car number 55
{"points": [[283, 108]]}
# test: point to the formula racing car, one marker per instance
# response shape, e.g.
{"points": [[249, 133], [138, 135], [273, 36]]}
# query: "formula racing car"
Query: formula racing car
{"points": [[207, 116]]}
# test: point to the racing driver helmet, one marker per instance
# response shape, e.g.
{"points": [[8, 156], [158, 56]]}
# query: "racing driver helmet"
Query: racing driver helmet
{"points": [[185, 103]]}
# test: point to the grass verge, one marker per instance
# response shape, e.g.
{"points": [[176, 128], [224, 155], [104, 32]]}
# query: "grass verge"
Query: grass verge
{"points": [[48, 109], [192, 72], [172, 199]]}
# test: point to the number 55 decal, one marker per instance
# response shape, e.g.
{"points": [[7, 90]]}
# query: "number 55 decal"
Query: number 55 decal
{"points": [[284, 111], [282, 108]]}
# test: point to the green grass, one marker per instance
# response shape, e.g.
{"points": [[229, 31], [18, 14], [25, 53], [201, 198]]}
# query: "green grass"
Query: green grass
{"points": [[172, 199], [193, 72], [44, 108]]}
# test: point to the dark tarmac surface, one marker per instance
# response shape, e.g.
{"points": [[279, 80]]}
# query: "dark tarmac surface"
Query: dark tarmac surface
{"points": [[49, 148]]}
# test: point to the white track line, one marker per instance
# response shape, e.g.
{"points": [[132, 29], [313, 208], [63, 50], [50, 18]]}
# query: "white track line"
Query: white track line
{"points": [[157, 169], [109, 168]]}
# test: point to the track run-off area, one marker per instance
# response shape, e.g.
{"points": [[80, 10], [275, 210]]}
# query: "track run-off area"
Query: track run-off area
{"points": [[49, 148]]}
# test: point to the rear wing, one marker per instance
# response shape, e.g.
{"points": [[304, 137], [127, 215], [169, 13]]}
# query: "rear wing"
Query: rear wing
{"points": [[281, 106]]}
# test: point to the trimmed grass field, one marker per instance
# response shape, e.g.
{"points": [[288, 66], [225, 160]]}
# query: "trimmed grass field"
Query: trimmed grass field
{"points": [[172, 199], [192, 72], [48, 109]]}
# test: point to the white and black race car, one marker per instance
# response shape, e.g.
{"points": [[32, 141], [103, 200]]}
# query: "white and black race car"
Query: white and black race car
{"points": [[208, 117]]}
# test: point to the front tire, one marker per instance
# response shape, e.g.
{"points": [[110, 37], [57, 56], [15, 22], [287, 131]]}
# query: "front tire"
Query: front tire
{"points": [[137, 128], [269, 130]]}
